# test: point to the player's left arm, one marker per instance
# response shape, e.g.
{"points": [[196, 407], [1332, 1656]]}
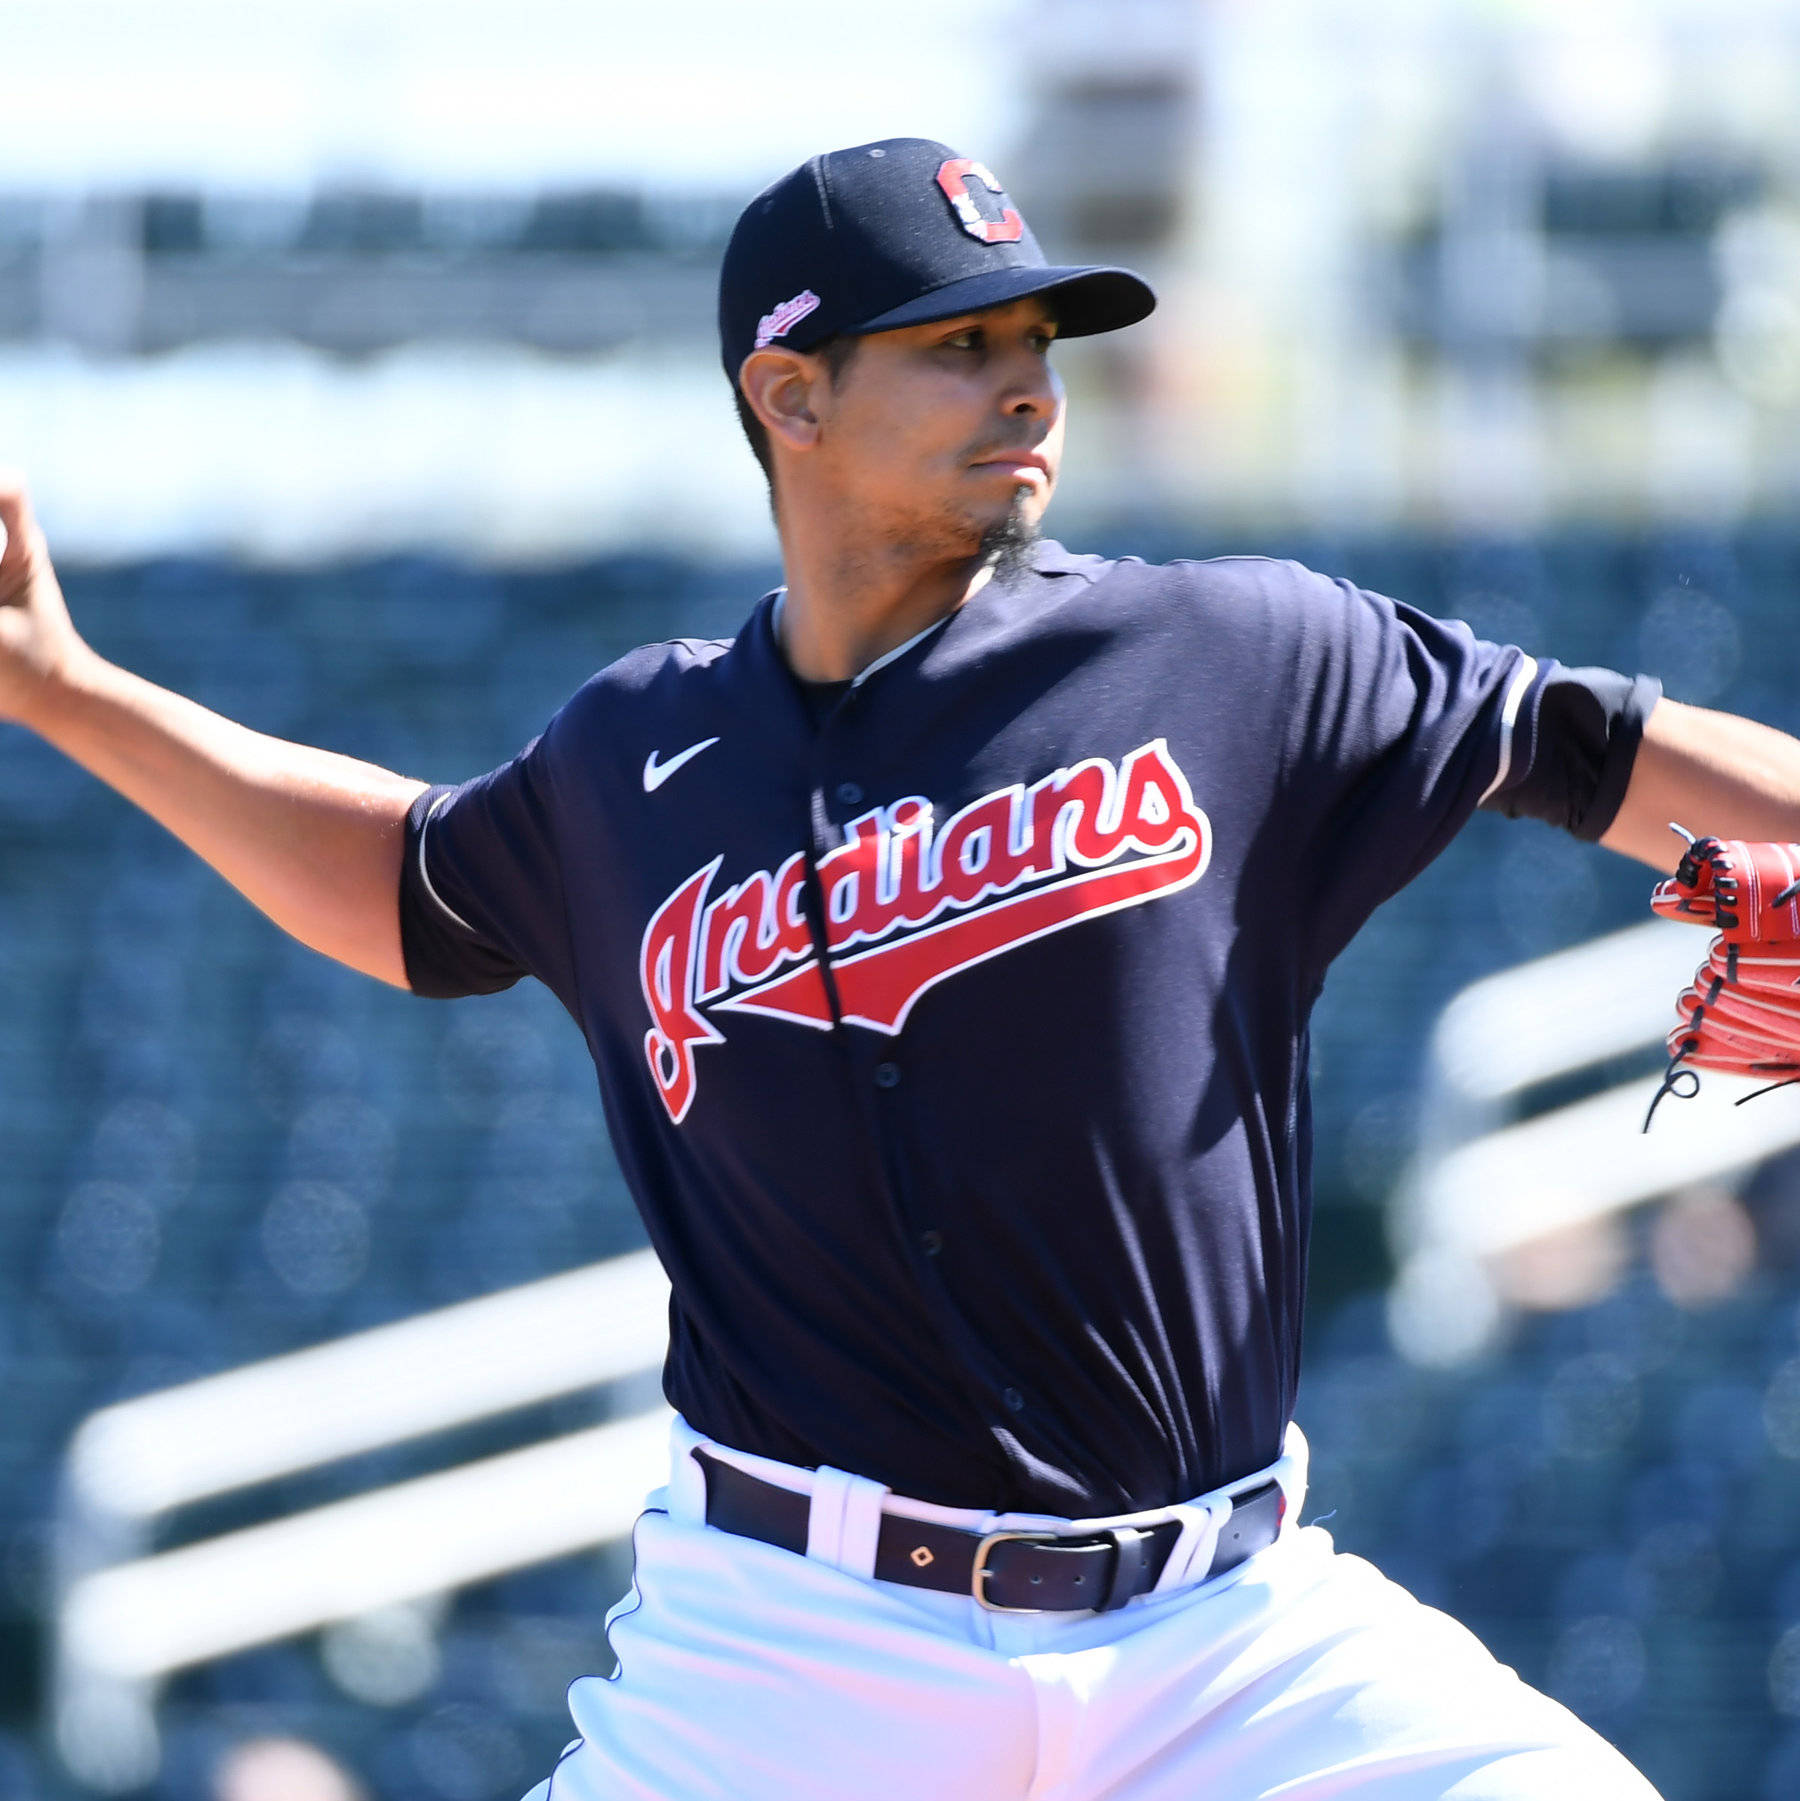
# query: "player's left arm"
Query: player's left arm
{"points": [[1713, 773]]}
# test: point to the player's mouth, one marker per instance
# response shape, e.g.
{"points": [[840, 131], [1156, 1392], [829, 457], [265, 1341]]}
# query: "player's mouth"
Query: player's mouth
{"points": [[1023, 466]]}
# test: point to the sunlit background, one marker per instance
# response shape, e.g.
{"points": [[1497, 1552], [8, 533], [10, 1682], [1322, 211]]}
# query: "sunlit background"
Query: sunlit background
{"points": [[361, 358]]}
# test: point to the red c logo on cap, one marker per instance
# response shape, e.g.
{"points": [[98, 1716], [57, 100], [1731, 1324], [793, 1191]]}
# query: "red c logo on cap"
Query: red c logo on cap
{"points": [[953, 179]]}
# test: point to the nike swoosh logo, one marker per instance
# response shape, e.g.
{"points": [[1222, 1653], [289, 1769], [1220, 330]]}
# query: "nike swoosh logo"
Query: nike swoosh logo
{"points": [[655, 773]]}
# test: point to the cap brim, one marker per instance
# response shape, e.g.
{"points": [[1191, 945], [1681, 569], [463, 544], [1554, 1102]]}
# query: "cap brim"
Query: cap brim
{"points": [[1088, 299]]}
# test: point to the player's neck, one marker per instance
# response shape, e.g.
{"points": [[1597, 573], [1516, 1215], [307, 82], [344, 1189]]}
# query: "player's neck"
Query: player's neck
{"points": [[847, 605]]}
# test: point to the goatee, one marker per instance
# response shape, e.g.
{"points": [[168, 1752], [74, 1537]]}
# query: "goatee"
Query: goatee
{"points": [[1008, 543]]}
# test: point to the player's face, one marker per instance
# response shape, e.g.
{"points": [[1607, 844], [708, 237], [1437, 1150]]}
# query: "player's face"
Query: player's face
{"points": [[938, 434]]}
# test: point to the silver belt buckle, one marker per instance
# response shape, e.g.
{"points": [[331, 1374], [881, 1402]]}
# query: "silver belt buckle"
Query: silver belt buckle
{"points": [[978, 1575]]}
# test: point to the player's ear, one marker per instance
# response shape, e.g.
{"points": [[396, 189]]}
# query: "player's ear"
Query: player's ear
{"points": [[778, 387]]}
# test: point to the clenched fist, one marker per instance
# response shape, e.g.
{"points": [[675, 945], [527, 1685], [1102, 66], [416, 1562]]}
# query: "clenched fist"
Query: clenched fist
{"points": [[38, 644]]}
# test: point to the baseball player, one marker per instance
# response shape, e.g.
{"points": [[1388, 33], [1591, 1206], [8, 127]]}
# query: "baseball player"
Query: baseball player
{"points": [[945, 944]]}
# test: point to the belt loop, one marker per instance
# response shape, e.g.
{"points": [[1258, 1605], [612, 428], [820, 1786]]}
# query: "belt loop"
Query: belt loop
{"points": [[1192, 1554], [1130, 1561], [1290, 1470], [844, 1520]]}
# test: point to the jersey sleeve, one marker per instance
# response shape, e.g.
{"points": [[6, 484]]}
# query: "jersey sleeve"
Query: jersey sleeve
{"points": [[1573, 749], [1400, 726], [480, 892]]}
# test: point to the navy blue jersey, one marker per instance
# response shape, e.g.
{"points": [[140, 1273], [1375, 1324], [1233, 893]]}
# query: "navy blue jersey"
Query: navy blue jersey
{"points": [[952, 1029]]}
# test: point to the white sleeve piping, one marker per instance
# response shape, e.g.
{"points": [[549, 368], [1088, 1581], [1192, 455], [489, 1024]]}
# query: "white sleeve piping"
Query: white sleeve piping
{"points": [[425, 874], [1509, 716]]}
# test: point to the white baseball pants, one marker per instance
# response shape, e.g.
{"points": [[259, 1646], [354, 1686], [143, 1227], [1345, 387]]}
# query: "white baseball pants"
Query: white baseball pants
{"points": [[747, 1673]]}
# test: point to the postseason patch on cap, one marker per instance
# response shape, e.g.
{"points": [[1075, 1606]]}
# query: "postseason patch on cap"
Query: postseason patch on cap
{"points": [[784, 318]]}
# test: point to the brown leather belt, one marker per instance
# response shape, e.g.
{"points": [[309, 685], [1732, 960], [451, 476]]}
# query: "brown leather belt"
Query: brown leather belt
{"points": [[1007, 1572]]}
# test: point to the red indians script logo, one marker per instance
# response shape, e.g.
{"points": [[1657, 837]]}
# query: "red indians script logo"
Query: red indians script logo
{"points": [[910, 902]]}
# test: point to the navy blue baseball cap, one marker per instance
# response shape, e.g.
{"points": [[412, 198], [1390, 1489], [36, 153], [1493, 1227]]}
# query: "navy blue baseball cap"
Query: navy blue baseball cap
{"points": [[896, 233]]}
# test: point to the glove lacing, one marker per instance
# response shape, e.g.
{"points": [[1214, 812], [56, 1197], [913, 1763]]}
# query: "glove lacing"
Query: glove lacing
{"points": [[1725, 894]]}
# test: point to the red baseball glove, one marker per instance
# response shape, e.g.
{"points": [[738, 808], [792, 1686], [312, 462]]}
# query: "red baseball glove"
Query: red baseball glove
{"points": [[1741, 1012]]}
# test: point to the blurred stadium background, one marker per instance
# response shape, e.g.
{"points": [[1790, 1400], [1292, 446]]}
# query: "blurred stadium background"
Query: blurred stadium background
{"points": [[360, 355]]}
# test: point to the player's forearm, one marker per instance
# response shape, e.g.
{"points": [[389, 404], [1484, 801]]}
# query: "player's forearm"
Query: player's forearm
{"points": [[1713, 773], [312, 838]]}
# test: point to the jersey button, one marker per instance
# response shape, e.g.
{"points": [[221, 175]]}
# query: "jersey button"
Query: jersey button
{"points": [[1013, 1399], [932, 1242], [887, 1075], [850, 794]]}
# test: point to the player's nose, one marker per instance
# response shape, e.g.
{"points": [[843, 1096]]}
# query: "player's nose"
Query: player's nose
{"points": [[1032, 389]]}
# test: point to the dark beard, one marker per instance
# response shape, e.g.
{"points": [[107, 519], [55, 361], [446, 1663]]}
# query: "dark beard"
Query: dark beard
{"points": [[1009, 542]]}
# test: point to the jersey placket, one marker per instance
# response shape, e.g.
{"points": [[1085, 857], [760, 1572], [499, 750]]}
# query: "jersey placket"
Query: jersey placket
{"points": [[879, 1074]]}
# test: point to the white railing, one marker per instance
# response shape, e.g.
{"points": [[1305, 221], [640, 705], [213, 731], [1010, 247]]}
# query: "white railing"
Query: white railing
{"points": [[1484, 1183], [127, 1618], [1551, 1017]]}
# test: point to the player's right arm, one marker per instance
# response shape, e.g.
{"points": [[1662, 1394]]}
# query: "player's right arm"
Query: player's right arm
{"points": [[312, 838]]}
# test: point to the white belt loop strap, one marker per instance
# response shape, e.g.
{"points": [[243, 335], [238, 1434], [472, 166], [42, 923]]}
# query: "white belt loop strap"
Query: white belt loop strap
{"points": [[1202, 1520], [844, 1521], [1192, 1554], [1289, 1469]]}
